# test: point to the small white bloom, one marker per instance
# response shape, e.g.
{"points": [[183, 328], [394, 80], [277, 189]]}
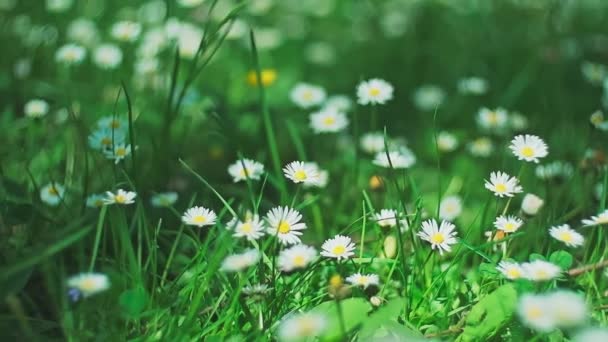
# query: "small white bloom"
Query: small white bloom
{"points": [[36, 108], [373, 142], [58, 6], [252, 228], [601, 218], [189, 3], [400, 159], [306, 95], [529, 148], [441, 237], [594, 73], [374, 91], [501, 184], [566, 235], [296, 257], [255, 290], [539, 270], [328, 120], [164, 199], [591, 335], [492, 119], [82, 31], [112, 123], [428, 97], [531, 204], [52, 194], [364, 280], [104, 138], [472, 86], [284, 222], [240, 262], [386, 218], [508, 224], [89, 284], [95, 200], [199, 216], [107, 56], [125, 31], [481, 147], [553, 170], [117, 152], [568, 308], [297, 327], [70, 54], [120, 197], [535, 312], [301, 172], [450, 208], [339, 247], [518, 122], [446, 142], [510, 270], [341, 103], [245, 168], [322, 176]]}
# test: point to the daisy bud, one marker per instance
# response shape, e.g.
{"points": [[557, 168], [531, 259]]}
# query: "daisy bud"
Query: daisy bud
{"points": [[376, 301], [390, 247], [336, 287], [375, 183], [531, 204]]}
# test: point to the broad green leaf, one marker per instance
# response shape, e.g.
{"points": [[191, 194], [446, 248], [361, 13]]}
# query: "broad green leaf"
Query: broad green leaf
{"points": [[383, 324], [133, 301], [354, 311], [562, 259]]}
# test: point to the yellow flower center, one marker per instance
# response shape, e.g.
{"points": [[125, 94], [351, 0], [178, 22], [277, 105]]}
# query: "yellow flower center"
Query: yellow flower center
{"points": [[602, 219], [493, 118], [527, 152], [88, 284], [534, 312], [374, 92], [247, 227], [307, 95], [566, 237], [330, 120], [299, 261], [284, 227], [199, 219], [300, 175], [542, 274], [362, 280], [121, 152], [338, 250], [52, 191], [500, 187], [306, 327], [106, 141], [437, 238], [509, 227], [120, 199], [513, 273], [115, 124]]}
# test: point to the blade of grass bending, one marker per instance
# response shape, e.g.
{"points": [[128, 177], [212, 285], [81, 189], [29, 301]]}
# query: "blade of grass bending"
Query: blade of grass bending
{"points": [[131, 133], [99, 229]]}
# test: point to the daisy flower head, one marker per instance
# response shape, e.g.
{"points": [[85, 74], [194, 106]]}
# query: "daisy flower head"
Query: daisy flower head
{"points": [[296, 257], [481, 147], [199, 217], [531, 204], [52, 194], [529, 148], [306, 95], [372, 142], [300, 326], [554, 170], [164, 199], [428, 97], [568, 308], [402, 158], [539, 270], [36, 108], [95, 200], [70, 54], [364, 280], [107, 56], [341, 103], [58, 6], [501, 184], [601, 218], [242, 169], [301, 172], [374, 91], [446, 142], [117, 152], [386, 218], [450, 208], [284, 222], [594, 73], [441, 237], [104, 138], [508, 224], [322, 176], [112, 123], [82, 31], [567, 235], [252, 228], [240, 262], [510, 270], [120, 197], [496, 119], [328, 120], [518, 121], [339, 247], [256, 290], [88, 284], [535, 312], [591, 335], [125, 31], [472, 86]]}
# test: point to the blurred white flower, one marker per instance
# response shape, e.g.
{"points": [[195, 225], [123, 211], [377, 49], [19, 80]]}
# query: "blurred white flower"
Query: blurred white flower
{"points": [[240, 262], [494, 120], [120, 197], [328, 120], [428, 97], [52, 194], [296, 257], [70, 54], [374, 91], [243, 169], [472, 86], [88, 284], [164, 199], [446, 142], [450, 208], [36, 108], [531, 204], [297, 327], [107, 56], [306, 95], [126, 31], [402, 158], [481, 147]]}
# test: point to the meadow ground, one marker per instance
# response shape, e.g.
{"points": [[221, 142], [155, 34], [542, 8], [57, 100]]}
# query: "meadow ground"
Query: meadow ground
{"points": [[303, 170]]}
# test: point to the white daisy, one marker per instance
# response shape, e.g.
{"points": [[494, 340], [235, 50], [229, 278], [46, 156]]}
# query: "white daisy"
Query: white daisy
{"points": [[339, 247], [284, 222], [164, 199], [240, 262], [501, 184], [364, 280], [245, 168], [535, 312], [510, 270], [117, 152], [386, 218], [301, 172], [450, 208], [567, 235], [300, 326], [255, 290], [70, 54], [481, 147], [496, 119], [553, 170], [120, 197], [591, 335], [95, 200], [112, 123], [400, 159], [374, 91], [600, 219], [328, 120], [58, 6], [594, 73], [82, 31], [341, 103], [125, 31], [539, 270], [36, 108], [306, 95], [52, 194], [372, 142], [568, 308], [440, 237], [508, 224], [104, 138], [189, 3], [252, 228], [107, 56], [199, 216], [322, 176], [428, 97], [472, 86], [529, 148], [446, 142], [89, 284], [296, 257], [531, 204]]}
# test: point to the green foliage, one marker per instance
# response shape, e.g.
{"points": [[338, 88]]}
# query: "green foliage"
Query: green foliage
{"points": [[354, 313]]}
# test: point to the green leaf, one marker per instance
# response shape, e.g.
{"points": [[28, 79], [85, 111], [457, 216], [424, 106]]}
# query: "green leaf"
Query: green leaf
{"points": [[490, 315], [133, 301], [487, 269], [354, 311], [562, 259], [536, 256], [383, 324]]}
